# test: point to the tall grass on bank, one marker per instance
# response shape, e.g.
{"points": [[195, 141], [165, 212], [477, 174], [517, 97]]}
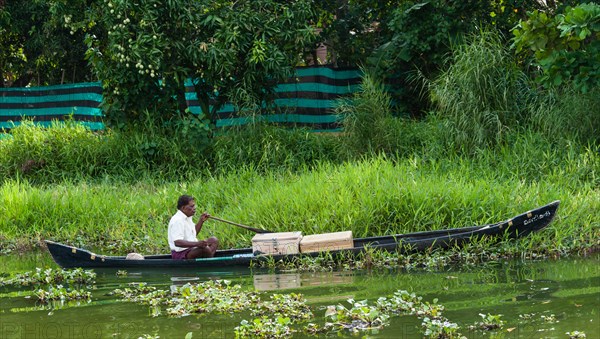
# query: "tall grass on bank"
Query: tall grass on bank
{"points": [[364, 117], [270, 148], [370, 128], [481, 95], [568, 114], [371, 197], [69, 151]]}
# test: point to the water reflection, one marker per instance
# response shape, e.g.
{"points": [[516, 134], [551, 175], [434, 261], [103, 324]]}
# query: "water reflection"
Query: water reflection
{"points": [[283, 281], [263, 281], [537, 299]]}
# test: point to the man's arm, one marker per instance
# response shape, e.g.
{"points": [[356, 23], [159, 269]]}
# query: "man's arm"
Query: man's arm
{"points": [[188, 244], [201, 221]]}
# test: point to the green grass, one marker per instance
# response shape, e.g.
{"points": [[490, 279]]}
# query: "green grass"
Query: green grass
{"points": [[370, 197], [481, 95], [494, 148]]}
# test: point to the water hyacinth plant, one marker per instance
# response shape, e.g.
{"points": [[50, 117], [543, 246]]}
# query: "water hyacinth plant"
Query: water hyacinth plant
{"points": [[62, 294], [215, 296], [291, 305], [576, 335], [489, 322], [360, 316], [281, 315], [401, 302], [264, 327], [440, 329], [76, 276]]}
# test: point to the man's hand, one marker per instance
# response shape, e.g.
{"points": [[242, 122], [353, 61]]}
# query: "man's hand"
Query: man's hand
{"points": [[202, 243], [204, 217]]}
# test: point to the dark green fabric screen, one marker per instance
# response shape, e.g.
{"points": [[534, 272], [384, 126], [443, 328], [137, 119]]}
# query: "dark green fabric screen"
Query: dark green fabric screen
{"points": [[306, 100]]}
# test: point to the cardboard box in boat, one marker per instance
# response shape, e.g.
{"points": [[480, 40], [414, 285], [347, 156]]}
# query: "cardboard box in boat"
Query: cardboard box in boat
{"points": [[276, 243], [326, 242]]}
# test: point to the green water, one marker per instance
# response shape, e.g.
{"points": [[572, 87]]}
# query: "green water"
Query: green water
{"points": [[541, 299]]}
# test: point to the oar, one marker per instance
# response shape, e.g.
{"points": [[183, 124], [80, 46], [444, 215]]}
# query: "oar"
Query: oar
{"points": [[257, 230]]}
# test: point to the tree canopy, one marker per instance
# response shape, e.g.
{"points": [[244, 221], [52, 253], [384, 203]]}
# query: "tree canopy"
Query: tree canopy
{"points": [[37, 49], [144, 51]]}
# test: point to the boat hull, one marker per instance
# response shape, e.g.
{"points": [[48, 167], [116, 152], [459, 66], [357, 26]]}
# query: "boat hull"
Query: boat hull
{"points": [[516, 227]]}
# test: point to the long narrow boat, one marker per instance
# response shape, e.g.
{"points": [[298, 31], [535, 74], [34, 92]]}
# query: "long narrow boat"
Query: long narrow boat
{"points": [[516, 227]]}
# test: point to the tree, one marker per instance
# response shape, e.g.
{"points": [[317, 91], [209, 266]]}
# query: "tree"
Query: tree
{"points": [[565, 46], [143, 51], [353, 29], [33, 48], [422, 35]]}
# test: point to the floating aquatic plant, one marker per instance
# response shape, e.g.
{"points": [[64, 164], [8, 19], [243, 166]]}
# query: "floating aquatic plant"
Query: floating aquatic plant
{"points": [[264, 327], [440, 328], [291, 305], [215, 296], [489, 322], [51, 276], [61, 293], [576, 334], [373, 258], [280, 315], [149, 336], [400, 302], [361, 316]]}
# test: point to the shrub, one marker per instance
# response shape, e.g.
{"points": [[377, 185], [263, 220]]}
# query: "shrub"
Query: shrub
{"points": [[565, 46], [365, 117], [567, 114], [266, 148], [481, 95]]}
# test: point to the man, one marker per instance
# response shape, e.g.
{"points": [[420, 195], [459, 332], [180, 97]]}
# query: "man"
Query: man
{"points": [[182, 232]]}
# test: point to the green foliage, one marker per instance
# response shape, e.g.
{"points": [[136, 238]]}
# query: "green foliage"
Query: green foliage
{"points": [[35, 49], [266, 148], [292, 306], [576, 334], [264, 327], [565, 46], [351, 30], [481, 95], [69, 151], [223, 47], [370, 197], [60, 293], [365, 117], [440, 328], [361, 316], [420, 37], [51, 276], [422, 33], [567, 114]]}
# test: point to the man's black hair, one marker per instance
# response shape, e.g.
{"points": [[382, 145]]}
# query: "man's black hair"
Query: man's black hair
{"points": [[184, 200]]}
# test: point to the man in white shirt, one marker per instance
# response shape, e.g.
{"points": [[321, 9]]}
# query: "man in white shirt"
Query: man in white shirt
{"points": [[182, 232]]}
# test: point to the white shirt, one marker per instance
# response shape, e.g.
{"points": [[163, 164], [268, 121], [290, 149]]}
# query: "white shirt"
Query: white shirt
{"points": [[181, 227]]}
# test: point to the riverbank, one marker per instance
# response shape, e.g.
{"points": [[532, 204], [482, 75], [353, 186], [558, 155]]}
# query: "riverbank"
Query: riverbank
{"points": [[372, 197]]}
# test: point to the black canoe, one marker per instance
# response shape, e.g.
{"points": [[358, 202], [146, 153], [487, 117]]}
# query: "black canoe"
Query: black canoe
{"points": [[516, 227]]}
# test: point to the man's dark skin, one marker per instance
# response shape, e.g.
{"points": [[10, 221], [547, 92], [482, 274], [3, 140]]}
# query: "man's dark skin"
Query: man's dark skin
{"points": [[201, 248]]}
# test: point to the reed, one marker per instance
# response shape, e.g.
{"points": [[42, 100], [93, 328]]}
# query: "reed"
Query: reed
{"points": [[567, 114], [365, 117], [481, 95]]}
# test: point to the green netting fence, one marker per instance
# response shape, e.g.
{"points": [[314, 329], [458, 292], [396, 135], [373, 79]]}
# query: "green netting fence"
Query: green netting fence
{"points": [[307, 99]]}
